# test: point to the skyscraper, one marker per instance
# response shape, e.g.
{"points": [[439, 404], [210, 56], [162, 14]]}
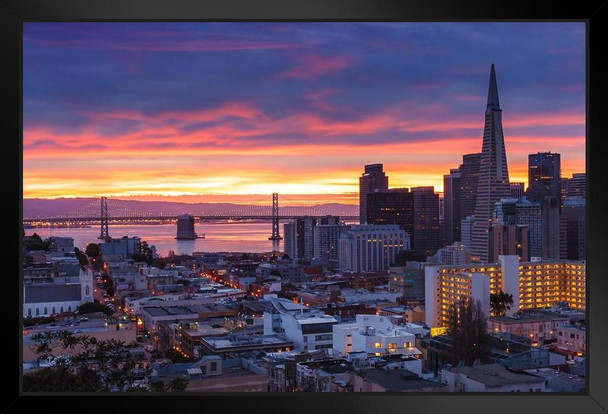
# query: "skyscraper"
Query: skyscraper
{"points": [[544, 176], [451, 207], [427, 238], [394, 206], [493, 183], [469, 175], [373, 179]]}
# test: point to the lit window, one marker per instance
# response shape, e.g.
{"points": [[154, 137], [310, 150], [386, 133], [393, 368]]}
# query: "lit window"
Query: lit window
{"points": [[377, 344]]}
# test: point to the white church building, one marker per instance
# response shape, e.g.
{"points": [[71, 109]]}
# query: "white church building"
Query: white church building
{"points": [[64, 294]]}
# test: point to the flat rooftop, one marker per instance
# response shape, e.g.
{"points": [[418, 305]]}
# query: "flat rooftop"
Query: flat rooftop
{"points": [[494, 375], [169, 310]]}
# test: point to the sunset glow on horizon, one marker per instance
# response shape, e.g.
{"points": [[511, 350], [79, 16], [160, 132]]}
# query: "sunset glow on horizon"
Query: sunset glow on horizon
{"points": [[232, 112]]}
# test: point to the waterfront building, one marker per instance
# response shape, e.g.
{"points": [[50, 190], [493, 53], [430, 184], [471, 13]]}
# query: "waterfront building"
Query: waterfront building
{"points": [[493, 183], [371, 248], [373, 179]]}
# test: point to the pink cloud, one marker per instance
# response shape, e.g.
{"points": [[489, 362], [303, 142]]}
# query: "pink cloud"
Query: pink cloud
{"points": [[310, 66]]}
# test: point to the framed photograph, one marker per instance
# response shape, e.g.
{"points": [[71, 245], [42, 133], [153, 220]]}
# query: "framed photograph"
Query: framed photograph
{"points": [[309, 206]]}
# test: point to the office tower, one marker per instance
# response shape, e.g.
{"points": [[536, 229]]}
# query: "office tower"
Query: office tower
{"points": [[326, 242], [426, 220], [451, 207], [371, 247], [577, 185], [505, 211], [469, 175], [564, 188], [466, 226], [529, 214], [185, 227], [574, 211], [552, 229], [544, 176], [394, 206], [517, 190], [373, 179], [493, 183]]}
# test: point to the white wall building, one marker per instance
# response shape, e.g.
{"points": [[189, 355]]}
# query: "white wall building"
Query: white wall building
{"points": [[45, 299], [374, 335], [309, 330], [371, 248]]}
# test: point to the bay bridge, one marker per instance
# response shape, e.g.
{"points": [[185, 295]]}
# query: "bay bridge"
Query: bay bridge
{"points": [[105, 210]]}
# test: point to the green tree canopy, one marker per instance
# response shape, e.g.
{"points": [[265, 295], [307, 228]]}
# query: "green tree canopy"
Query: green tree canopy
{"points": [[92, 307]]}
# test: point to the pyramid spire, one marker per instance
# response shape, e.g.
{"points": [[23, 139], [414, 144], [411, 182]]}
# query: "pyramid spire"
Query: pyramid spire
{"points": [[493, 91]]}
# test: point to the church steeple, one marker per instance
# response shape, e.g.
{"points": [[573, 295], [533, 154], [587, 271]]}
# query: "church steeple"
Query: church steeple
{"points": [[493, 92]]}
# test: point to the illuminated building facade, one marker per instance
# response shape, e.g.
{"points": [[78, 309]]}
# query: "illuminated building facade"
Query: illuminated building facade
{"points": [[534, 285]]}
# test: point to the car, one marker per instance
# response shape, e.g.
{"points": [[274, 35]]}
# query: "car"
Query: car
{"points": [[83, 319]]}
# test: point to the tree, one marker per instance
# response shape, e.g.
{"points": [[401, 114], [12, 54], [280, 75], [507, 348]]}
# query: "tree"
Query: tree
{"points": [[82, 258], [467, 329], [92, 365], [92, 250], [92, 307], [177, 384], [500, 303]]}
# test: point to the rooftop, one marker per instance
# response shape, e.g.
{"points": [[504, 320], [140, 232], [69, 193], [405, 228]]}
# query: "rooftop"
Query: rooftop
{"points": [[493, 375], [399, 380], [49, 292], [168, 310]]}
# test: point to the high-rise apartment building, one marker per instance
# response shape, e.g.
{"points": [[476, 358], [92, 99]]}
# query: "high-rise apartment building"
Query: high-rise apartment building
{"points": [[299, 236], [373, 179], [493, 183]]}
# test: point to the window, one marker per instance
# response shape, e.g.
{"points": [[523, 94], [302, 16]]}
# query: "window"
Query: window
{"points": [[203, 369], [377, 344], [392, 345], [37, 311], [53, 312], [29, 312], [407, 344], [61, 309], [46, 310], [69, 308], [213, 366]]}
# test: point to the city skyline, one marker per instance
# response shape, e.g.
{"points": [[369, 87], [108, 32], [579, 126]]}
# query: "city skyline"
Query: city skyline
{"points": [[312, 105]]}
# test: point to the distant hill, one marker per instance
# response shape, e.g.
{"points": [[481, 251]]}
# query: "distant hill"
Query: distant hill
{"points": [[33, 208]]}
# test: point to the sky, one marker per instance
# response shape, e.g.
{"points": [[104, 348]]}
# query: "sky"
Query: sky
{"points": [[225, 111]]}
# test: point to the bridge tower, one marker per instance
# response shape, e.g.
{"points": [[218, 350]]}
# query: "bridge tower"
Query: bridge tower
{"points": [[105, 235], [275, 219]]}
